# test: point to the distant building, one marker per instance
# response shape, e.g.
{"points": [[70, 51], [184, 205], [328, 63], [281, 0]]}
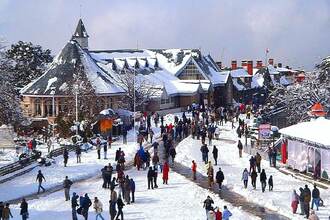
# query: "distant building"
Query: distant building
{"points": [[180, 77]]}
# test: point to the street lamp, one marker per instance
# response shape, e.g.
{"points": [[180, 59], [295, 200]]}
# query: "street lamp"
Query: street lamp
{"points": [[52, 92], [76, 94]]}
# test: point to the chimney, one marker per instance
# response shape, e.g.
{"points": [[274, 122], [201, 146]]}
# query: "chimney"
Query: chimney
{"points": [[219, 63], [233, 64], [271, 61], [244, 63], [259, 64], [250, 67], [279, 65]]}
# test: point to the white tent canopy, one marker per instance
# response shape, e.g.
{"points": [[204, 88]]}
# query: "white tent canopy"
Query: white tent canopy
{"points": [[316, 131]]}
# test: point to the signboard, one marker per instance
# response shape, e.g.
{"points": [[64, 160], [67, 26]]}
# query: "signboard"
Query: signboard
{"points": [[265, 131]]}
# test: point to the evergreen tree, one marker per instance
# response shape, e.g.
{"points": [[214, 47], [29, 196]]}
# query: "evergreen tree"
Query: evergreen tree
{"points": [[28, 62]]}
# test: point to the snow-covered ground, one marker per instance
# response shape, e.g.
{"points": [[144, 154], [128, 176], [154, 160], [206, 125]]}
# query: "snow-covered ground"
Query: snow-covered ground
{"points": [[180, 199], [55, 174], [233, 166]]}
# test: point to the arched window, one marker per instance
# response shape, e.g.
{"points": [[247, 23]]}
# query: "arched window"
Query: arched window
{"points": [[37, 107]]}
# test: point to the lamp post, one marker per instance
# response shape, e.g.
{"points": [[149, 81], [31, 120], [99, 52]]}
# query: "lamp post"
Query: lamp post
{"points": [[53, 114], [76, 95]]}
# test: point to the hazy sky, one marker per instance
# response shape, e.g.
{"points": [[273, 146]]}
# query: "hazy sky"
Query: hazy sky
{"points": [[297, 32]]}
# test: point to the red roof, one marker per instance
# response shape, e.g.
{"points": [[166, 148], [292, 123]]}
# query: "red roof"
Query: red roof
{"points": [[318, 110]]}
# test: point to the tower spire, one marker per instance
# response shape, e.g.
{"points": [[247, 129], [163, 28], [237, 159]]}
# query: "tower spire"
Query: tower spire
{"points": [[80, 35]]}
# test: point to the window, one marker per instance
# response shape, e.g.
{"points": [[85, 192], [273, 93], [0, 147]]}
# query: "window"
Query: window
{"points": [[49, 108], [37, 107], [191, 72]]}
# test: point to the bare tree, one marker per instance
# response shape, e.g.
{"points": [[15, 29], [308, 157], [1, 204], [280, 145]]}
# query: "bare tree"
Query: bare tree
{"points": [[139, 90]]}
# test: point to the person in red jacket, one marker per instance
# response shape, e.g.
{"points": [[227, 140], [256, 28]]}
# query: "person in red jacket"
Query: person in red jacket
{"points": [[218, 214], [166, 169], [194, 169]]}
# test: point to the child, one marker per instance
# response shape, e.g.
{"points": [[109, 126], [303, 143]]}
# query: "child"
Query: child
{"points": [[270, 183]]}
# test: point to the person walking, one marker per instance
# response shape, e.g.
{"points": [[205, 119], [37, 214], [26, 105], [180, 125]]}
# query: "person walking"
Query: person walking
{"points": [[226, 214], [254, 176], [302, 201], [208, 205], [120, 206], [220, 177], [240, 148], [270, 157], [2, 206], [40, 178], [105, 151], [78, 153], [98, 207], [294, 201], [98, 147], [132, 188], [113, 202], [155, 176], [245, 177], [24, 209], [194, 169], [215, 155], [74, 205], [67, 185], [150, 177], [205, 152], [65, 157], [270, 183], [316, 197], [263, 179], [258, 161], [307, 200], [210, 175], [6, 213], [166, 169], [127, 190], [85, 204]]}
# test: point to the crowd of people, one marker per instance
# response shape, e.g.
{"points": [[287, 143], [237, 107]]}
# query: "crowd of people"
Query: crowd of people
{"points": [[204, 124]]}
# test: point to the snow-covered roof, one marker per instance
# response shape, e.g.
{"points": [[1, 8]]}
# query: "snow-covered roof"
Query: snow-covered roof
{"points": [[80, 30], [315, 131], [62, 73], [239, 73], [257, 81]]}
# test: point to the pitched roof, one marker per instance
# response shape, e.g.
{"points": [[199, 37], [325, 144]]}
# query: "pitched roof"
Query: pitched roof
{"points": [[80, 30], [61, 75]]}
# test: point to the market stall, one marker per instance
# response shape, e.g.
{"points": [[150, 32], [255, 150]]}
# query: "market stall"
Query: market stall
{"points": [[308, 147]]}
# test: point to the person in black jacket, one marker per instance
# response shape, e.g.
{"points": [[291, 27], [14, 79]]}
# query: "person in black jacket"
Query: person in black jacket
{"points": [[215, 154], [254, 176], [74, 205], [240, 148], [220, 177], [263, 179], [208, 205], [85, 204], [78, 154], [151, 174], [120, 205], [270, 183], [40, 178], [65, 157], [316, 197], [1, 208], [24, 209]]}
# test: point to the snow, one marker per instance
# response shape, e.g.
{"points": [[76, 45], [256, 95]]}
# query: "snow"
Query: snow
{"points": [[316, 131], [50, 82], [63, 87], [180, 199], [278, 200], [239, 73], [257, 81]]}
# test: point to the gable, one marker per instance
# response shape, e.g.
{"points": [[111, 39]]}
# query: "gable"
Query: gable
{"points": [[191, 72]]}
